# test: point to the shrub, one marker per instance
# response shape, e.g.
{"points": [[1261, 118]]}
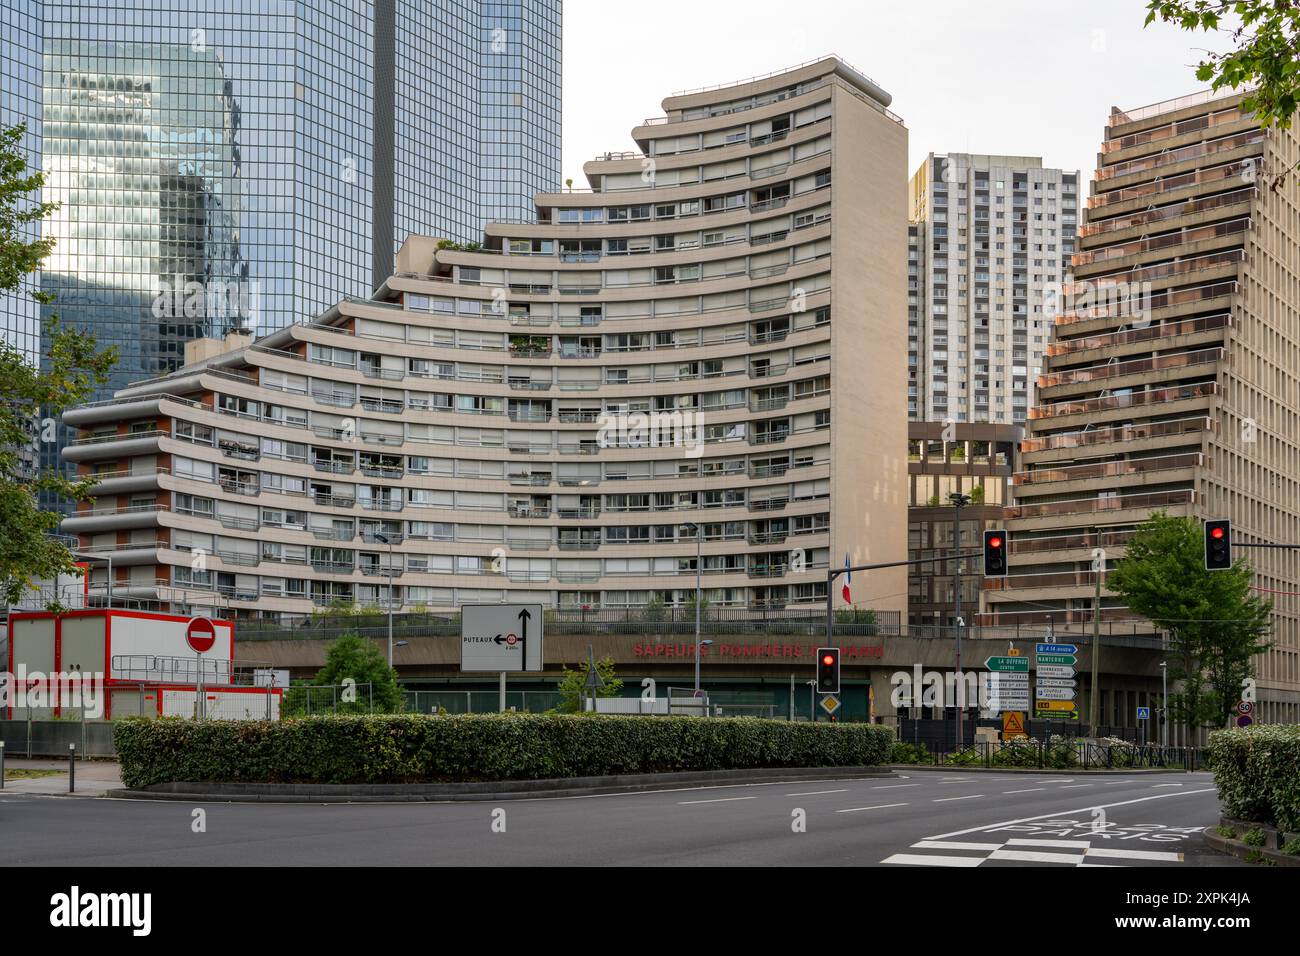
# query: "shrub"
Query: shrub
{"points": [[1292, 847], [1255, 837], [1226, 832], [1257, 772], [904, 752], [420, 748]]}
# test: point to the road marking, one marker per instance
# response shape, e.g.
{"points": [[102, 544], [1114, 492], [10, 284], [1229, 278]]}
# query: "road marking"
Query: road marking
{"points": [[883, 806], [814, 793], [951, 845], [1061, 813], [1132, 854], [1059, 844], [1111, 783], [683, 803], [1075, 786], [1030, 790], [946, 799], [895, 786], [1036, 856], [917, 859], [967, 780], [1156, 786]]}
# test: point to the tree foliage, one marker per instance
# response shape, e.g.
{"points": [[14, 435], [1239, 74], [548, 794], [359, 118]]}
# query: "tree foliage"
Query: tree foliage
{"points": [[1215, 621], [352, 661], [31, 397], [1265, 37], [573, 685]]}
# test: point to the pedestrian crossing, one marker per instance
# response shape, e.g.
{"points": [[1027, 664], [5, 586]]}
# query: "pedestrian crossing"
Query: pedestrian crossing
{"points": [[1021, 850]]}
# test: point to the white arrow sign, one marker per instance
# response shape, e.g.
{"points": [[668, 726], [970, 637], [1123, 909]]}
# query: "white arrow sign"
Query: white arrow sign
{"points": [[1055, 670], [1055, 693]]}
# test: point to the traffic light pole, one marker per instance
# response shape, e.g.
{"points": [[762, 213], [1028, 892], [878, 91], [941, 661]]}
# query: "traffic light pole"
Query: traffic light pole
{"points": [[833, 573]]}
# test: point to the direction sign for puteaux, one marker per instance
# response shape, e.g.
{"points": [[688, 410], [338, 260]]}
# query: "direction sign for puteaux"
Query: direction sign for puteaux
{"points": [[501, 637]]}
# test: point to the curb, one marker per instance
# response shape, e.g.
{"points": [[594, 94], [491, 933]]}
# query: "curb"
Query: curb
{"points": [[1241, 850], [1114, 771], [485, 791]]}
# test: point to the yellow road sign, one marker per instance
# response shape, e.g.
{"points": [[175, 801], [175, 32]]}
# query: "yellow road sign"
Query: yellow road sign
{"points": [[1013, 725], [830, 703]]}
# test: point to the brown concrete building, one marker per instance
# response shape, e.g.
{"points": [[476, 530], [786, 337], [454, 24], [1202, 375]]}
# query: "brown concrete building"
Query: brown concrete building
{"points": [[942, 459], [705, 338], [1171, 380]]}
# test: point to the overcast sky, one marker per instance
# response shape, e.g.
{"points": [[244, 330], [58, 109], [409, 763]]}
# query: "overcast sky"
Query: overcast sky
{"points": [[1017, 77]]}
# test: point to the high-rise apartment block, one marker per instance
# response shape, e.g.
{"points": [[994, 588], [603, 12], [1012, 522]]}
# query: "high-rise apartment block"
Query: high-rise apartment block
{"points": [[1171, 379], [697, 354], [987, 232]]}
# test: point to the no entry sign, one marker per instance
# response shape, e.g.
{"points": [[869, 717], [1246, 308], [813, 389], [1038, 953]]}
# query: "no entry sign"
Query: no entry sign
{"points": [[200, 634]]}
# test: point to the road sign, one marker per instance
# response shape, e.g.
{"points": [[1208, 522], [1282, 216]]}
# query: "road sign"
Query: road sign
{"points": [[1056, 649], [200, 635], [499, 638], [1054, 670], [1245, 708], [1008, 664], [830, 703], [1057, 682], [1013, 725], [1245, 720], [1054, 705], [1144, 713], [1054, 693], [1068, 659], [1013, 652]]}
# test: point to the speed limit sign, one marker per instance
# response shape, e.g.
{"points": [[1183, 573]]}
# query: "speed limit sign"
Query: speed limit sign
{"points": [[1245, 707]]}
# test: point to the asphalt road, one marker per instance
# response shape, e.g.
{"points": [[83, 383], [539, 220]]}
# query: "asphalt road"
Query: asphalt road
{"points": [[923, 818]]}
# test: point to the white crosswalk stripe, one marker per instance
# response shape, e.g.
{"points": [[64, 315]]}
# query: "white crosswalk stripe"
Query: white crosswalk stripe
{"points": [[1023, 850]]}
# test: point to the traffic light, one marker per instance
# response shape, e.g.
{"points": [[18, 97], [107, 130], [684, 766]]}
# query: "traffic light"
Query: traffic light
{"points": [[828, 670], [1218, 545], [995, 554]]}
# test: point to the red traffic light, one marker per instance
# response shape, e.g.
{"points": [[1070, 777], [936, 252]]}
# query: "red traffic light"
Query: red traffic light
{"points": [[1216, 532], [828, 659], [995, 542]]}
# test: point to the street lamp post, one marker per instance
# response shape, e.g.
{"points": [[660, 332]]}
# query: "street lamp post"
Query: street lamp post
{"points": [[1164, 703], [958, 501], [699, 541]]}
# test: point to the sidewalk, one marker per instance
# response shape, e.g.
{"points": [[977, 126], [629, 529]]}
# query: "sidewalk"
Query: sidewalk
{"points": [[94, 777]]}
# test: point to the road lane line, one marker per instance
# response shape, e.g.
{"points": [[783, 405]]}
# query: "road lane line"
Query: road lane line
{"points": [[1074, 786], [917, 859], [814, 793], [895, 786], [953, 845], [947, 799], [1059, 844], [1061, 813], [1030, 790], [1036, 856], [683, 803], [1156, 786], [1117, 854], [883, 806]]}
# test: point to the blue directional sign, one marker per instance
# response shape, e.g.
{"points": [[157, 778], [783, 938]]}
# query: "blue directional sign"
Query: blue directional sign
{"points": [[1057, 649]]}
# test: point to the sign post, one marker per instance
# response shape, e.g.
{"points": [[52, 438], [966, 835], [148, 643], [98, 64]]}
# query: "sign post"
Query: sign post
{"points": [[200, 635], [501, 639], [1054, 682], [1006, 685]]}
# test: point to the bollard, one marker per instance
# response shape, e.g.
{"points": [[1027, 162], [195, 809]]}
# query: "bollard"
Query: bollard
{"points": [[72, 767]]}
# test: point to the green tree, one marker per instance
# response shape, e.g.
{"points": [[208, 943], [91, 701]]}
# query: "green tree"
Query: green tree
{"points": [[1215, 622], [573, 685], [30, 397], [1265, 37], [351, 658]]}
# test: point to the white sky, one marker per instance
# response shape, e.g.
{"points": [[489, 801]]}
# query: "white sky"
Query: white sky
{"points": [[1015, 77]]}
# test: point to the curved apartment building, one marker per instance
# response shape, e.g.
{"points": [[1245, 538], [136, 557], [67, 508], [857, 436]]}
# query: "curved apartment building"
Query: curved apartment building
{"points": [[700, 352], [1170, 380]]}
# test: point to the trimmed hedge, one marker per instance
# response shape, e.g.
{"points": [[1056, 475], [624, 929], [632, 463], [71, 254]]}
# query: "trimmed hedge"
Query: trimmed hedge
{"points": [[1257, 771], [418, 748]]}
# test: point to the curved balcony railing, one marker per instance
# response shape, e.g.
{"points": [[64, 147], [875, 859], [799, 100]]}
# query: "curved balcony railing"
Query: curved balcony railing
{"points": [[1164, 213], [1179, 238], [1131, 400], [1122, 433], [1118, 369], [1183, 153], [1162, 330]]}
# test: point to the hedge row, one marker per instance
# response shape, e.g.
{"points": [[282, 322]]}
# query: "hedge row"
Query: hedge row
{"points": [[1257, 771], [417, 748]]}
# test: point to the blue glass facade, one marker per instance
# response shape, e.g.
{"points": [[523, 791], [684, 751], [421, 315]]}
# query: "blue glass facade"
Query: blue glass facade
{"points": [[250, 166], [20, 102]]}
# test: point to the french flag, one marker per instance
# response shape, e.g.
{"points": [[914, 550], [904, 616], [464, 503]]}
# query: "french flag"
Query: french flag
{"points": [[848, 580]]}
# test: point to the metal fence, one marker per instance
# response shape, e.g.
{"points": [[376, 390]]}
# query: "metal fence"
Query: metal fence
{"points": [[50, 738], [1064, 754], [307, 700], [482, 701]]}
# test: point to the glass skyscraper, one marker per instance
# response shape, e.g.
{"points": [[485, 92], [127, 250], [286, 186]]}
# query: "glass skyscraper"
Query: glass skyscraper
{"points": [[250, 167]]}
